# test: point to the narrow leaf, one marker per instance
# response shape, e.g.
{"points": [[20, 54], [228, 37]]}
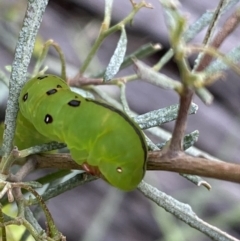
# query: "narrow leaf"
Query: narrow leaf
{"points": [[117, 58]]}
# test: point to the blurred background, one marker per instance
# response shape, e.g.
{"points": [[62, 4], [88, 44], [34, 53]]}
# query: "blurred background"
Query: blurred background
{"points": [[96, 211]]}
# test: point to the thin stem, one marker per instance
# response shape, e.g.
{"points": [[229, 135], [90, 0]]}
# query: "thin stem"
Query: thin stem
{"points": [[229, 26], [9, 161], [164, 60], [104, 33], [213, 23], [180, 125], [45, 49], [107, 14], [124, 99], [20, 64], [79, 81], [210, 30]]}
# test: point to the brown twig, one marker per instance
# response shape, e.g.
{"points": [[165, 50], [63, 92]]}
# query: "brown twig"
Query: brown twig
{"points": [[180, 163], [186, 164], [229, 26], [79, 81], [181, 122], [27, 168], [214, 21]]}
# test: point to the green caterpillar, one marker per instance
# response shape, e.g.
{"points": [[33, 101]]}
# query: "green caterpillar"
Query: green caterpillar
{"points": [[25, 135], [101, 138]]}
